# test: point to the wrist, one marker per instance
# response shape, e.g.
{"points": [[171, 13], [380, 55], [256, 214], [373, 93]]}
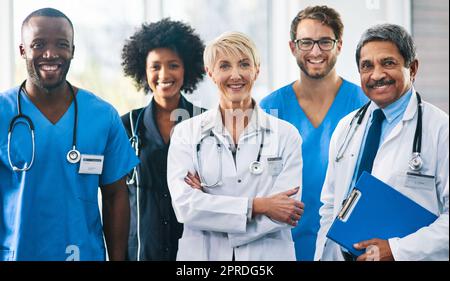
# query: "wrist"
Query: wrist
{"points": [[259, 206]]}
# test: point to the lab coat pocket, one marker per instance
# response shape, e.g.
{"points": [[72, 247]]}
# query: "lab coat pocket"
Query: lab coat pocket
{"points": [[6, 255], [421, 189], [274, 164], [278, 250], [416, 181], [192, 248]]}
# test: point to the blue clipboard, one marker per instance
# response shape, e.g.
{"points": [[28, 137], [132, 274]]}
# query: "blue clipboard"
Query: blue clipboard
{"points": [[376, 210]]}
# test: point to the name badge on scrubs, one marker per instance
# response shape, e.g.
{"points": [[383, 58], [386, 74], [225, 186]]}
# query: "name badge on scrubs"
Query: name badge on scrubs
{"points": [[91, 164], [275, 165], [420, 181]]}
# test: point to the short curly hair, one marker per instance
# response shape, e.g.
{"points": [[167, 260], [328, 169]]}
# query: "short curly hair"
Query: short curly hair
{"points": [[174, 35]]}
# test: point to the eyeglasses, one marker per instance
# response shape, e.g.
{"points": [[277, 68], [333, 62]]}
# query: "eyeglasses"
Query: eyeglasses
{"points": [[325, 44]]}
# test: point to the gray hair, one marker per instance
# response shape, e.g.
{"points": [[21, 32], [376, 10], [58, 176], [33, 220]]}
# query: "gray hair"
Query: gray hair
{"points": [[391, 33]]}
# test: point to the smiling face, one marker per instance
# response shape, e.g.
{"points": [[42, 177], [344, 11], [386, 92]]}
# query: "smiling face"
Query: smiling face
{"points": [[47, 47], [165, 73], [315, 64], [384, 76], [234, 76]]}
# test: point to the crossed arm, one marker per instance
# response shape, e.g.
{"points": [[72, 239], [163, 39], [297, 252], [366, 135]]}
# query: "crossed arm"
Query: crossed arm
{"points": [[280, 207]]}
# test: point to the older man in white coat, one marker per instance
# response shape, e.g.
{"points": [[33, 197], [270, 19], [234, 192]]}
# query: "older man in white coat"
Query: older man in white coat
{"points": [[384, 145]]}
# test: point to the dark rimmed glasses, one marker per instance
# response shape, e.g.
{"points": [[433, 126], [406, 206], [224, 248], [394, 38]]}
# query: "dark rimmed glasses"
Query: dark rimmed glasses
{"points": [[325, 44]]}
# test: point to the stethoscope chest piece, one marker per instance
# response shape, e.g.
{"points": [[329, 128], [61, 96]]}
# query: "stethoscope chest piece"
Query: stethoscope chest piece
{"points": [[73, 156], [416, 162], [256, 168]]}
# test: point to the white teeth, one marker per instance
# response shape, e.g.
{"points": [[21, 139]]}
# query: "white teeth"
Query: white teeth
{"points": [[236, 86], [49, 67], [165, 84], [316, 61]]}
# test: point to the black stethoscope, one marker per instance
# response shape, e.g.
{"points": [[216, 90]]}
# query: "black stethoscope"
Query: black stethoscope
{"points": [[73, 156], [415, 163], [255, 167], [135, 142]]}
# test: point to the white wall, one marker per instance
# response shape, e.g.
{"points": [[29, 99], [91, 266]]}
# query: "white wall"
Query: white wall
{"points": [[6, 47], [100, 36], [357, 16]]}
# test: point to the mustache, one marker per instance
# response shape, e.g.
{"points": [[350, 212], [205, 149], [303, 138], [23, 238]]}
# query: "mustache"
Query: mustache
{"points": [[380, 83], [50, 61]]}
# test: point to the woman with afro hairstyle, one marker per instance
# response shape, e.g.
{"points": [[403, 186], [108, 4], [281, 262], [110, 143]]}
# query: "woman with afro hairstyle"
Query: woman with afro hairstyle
{"points": [[165, 58]]}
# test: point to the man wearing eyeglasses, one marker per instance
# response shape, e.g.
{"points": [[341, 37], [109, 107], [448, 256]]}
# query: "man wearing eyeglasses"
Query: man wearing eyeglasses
{"points": [[314, 104]]}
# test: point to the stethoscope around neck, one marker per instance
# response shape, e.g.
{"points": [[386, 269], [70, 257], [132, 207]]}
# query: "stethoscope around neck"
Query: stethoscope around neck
{"points": [[255, 167], [73, 156], [415, 163]]}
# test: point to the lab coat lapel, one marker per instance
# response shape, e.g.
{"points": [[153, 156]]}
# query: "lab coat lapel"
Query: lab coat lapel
{"points": [[259, 121], [213, 121], [353, 154]]}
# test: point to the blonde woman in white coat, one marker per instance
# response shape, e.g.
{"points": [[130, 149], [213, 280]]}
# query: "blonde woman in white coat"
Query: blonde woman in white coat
{"points": [[234, 172]]}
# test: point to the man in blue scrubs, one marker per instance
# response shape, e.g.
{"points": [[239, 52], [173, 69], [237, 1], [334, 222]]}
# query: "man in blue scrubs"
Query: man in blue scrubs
{"points": [[314, 104], [49, 205]]}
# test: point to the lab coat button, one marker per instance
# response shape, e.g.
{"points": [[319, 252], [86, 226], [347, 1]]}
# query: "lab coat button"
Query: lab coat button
{"points": [[239, 181]]}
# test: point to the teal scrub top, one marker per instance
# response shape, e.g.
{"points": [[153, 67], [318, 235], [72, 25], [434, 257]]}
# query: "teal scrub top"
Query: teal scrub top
{"points": [[314, 152], [51, 212]]}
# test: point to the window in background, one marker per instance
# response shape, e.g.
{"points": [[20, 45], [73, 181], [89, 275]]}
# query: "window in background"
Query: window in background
{"points": [[210, 19], [102, 26], [99, 38], [430, 31]]}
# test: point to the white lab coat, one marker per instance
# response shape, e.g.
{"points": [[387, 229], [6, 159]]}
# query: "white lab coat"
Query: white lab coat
{"points": [[216, 220], [390, 166]]}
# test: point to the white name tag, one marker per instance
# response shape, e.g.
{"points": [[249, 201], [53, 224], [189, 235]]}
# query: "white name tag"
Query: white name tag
{"points": [[91, 164], [275, 165], [421, 181]]}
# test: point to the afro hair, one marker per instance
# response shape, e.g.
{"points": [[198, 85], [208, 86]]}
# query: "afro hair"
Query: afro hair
{"points": [[174, 35]]}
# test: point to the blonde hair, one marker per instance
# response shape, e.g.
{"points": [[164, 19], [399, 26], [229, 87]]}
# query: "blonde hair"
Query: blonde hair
{"points": [[231, 43]]}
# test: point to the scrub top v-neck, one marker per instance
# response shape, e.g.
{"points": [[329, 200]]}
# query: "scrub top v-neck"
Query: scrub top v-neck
{"points": [[52, 210]]}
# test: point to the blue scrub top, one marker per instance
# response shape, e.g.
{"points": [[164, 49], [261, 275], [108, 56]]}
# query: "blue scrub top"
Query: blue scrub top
{"points": [[51, 211], [315, 146]]}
